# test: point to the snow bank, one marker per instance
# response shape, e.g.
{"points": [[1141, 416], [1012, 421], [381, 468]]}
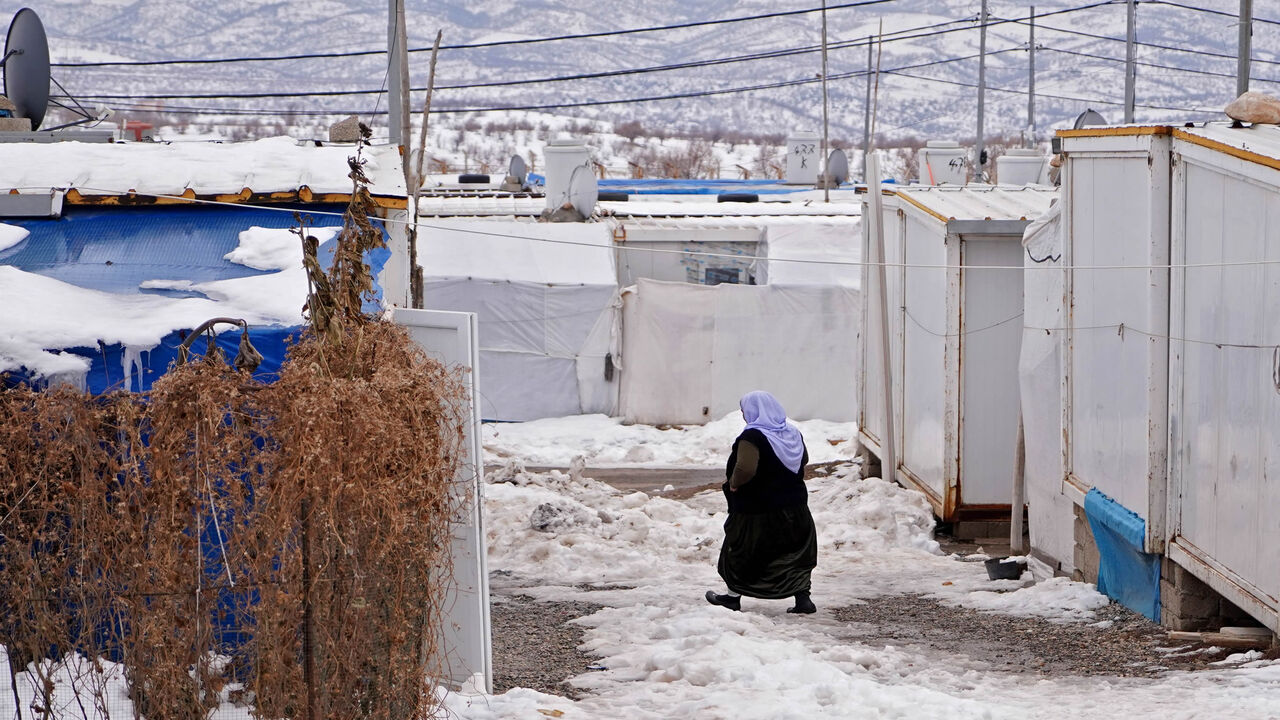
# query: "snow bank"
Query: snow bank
{"points": [[45, 315], [11, 235], [605, 442]]}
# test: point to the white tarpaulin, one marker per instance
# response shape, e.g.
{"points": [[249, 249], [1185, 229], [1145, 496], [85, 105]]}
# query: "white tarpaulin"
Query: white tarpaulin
{"points": [[544, 295], [1040, 381], [689, 352], [814, 251]]}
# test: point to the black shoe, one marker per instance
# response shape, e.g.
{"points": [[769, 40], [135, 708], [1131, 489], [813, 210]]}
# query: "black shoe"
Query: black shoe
{"points": [[804, 606], [732, 602]]}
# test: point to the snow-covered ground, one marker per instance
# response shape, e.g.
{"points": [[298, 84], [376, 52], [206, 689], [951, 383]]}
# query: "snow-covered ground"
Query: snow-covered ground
{"points": [[667, 653]]}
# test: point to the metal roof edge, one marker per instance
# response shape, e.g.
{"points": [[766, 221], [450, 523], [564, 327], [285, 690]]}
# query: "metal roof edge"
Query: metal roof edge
{"points": [[245, 197], [1232, 150], [1096, 131]]}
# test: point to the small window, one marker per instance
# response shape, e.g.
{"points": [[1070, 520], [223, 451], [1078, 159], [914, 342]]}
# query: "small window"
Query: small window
{"points": [[715, 276]]}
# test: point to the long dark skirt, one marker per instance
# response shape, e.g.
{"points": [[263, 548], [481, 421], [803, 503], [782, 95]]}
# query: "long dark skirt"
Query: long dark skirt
{"points": [[769, 555]]}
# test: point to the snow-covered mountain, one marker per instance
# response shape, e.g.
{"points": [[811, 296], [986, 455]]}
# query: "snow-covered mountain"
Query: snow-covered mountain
{"points": [[925, 89]]}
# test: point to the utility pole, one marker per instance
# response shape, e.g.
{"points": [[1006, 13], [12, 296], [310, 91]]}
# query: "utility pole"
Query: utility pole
{"points": [[826, 171], [1131, 61], [866, 117], [982, 90], [1031, 84], [397, 73], [1246, 47]]}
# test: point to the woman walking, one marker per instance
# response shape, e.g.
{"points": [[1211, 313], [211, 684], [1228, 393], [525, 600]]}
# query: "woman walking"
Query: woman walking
{"points": [[770, 543]]}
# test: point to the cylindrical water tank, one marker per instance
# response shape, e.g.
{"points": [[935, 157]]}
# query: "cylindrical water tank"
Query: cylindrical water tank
{"points": [[804, 155], [943, 162], [562, 156], [1023, 166]]}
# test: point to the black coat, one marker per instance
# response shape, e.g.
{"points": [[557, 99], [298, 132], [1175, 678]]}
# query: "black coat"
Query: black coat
{"points": [[770, 542]]}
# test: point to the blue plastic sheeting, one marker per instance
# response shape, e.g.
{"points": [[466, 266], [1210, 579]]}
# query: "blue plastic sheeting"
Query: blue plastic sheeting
{"points": [[116, 249], [1125, 573]]}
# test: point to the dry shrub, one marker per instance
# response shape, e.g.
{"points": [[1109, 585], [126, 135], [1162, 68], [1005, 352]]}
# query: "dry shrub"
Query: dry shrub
{"points": [[312, 515]]}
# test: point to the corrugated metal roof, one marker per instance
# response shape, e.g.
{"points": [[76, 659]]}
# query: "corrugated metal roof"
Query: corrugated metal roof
{"points": [[273, 165], [637, 208], [981, 202]]}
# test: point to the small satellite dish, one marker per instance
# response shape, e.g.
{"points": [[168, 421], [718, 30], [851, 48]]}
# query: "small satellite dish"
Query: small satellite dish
{"points": [[583, 191], [838, 166], [517, 169], [1088, 118], [26, 66]]}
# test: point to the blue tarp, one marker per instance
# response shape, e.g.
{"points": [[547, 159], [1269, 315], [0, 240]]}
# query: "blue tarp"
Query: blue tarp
{"points": [[115, 249], [1125, 573]]}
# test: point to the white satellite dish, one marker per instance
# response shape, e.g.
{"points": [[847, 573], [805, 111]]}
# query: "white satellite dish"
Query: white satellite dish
{"points": [[517, 169], [1088, 118], [583, 191], [26, 67], [838, 166]]}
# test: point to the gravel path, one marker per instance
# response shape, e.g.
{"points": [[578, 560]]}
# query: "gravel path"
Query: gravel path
{"points": [[1128, 645]]}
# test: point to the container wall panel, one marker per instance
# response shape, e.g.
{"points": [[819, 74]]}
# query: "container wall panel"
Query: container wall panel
{"points": [[924, 339], [1110, 226], [991, 340], [1228, 434]]}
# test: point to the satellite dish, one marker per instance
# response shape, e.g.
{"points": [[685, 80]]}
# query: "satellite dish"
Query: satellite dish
{"points": [[583, 191], [838, 166], [26, 66], [517, 169], [1088, 118]]}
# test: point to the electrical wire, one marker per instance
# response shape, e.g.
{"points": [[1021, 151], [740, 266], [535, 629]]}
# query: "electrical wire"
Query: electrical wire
{"points": [[1170, 48], [1209, 11], [470, 46], [552, 106], [918, 32], [1052, 96], [1154, 65]]}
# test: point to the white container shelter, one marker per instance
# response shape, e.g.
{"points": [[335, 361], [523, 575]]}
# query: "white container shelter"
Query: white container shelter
{"points": [[955, 298], [1224, 391]]}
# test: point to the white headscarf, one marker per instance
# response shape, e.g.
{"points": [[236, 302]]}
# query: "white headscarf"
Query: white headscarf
{"points": [[763, 412]]}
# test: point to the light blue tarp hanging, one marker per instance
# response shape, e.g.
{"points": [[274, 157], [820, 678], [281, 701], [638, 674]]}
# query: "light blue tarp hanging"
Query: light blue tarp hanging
{"points": [[1125, 573]]}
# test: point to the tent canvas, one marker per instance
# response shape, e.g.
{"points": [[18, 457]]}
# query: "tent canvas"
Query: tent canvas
{"points": [[689, 352], [545, 299]]}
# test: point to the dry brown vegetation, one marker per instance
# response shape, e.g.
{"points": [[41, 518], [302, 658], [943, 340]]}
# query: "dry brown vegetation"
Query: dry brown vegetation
{"points": [[283, 546]]}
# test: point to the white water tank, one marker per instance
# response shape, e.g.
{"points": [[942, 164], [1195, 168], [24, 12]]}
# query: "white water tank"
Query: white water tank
{"points": [[804, 155], [1023, 166], [943, 162], [562, 156]]}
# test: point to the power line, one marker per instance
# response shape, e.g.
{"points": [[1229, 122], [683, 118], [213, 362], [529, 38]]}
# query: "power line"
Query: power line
{"points": [[469, 46], [555, 106], [1157, 46], [901, 35], [1039, 94], [1222, 13], [307, 56], [1154, 65]]}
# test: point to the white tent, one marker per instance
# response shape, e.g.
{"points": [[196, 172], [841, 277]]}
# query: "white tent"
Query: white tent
{"points": [[545, 298], [691, 351]]}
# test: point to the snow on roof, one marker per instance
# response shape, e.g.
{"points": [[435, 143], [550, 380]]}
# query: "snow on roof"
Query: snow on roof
{"points": [[640, 206], [982, 202], [1257, 143], [548, 253], [45, 315], [270, 165]]}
